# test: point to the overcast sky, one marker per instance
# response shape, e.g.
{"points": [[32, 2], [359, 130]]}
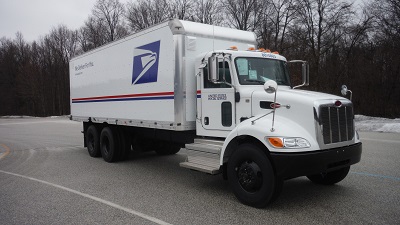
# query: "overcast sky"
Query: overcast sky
{"points": [[35, 18]]}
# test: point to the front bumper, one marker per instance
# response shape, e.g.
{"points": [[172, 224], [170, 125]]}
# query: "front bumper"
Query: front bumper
{"points": [[291, 165]]}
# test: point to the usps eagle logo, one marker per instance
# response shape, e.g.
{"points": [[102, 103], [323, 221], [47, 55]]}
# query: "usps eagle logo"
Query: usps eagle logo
{"points": [[145, 63]]}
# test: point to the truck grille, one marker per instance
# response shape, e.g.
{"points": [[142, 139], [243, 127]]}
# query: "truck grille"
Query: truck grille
{"points": [[337, 123]]}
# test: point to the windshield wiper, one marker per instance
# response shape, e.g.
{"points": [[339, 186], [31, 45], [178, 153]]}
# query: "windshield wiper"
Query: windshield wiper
{"points": [[255, 81]]}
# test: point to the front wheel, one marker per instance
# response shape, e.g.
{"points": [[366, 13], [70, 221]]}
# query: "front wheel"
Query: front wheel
{"points": [[330, 177], [252, 177]]}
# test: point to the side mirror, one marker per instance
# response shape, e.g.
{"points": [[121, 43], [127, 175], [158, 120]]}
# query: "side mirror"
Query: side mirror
{"points": [[344, 90], [270, 86], [213, 74], [304, 73]]}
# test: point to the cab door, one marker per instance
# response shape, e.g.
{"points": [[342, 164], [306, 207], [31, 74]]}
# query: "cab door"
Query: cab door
{"points": [[218, 100]]}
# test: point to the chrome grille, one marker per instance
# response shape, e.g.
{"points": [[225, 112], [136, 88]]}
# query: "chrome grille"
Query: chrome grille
{"points": [[336, 123]]}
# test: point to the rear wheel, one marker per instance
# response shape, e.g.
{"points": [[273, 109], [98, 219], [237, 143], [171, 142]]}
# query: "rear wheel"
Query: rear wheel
{"points": [[92, 141], [109, 145], [251, 176], [330, 177]]}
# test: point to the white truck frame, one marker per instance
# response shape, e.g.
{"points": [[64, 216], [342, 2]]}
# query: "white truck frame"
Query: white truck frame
{"points": [[186, 85]]}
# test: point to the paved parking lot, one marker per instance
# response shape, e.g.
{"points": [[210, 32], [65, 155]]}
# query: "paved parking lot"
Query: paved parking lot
{"points": [[47, 177]]}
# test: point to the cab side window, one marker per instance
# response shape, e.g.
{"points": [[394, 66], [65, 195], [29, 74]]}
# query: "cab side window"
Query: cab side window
{"points": [[221, 71]]}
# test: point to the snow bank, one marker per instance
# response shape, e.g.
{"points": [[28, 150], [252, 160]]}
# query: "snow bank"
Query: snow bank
{"points": [[16, 117], [377, 124]]}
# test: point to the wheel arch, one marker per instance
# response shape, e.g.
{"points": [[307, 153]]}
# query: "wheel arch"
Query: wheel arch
{"points": [[240, 140]]}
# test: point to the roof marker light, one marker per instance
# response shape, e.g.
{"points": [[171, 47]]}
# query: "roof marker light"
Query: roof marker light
{"points": [[267, 51], [277, 53], [234, 48], [251, 49]]}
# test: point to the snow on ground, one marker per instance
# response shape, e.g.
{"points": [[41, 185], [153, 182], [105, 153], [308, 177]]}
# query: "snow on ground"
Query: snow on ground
{"points": [[367, 123], [363, 123]]}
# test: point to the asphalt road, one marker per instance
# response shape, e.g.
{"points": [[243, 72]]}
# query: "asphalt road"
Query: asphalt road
{"points": [[47, 177]]}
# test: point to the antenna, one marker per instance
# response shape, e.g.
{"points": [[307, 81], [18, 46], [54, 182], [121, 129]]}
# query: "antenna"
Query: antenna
{"points": [[213, 37]]}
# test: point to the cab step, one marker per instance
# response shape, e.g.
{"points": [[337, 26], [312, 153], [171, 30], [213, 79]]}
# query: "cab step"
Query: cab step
{"points": [[198, 163], [203, 155]]}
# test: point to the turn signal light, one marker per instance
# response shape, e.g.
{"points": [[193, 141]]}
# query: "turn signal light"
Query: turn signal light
{"points": [[288, 142], [276, 142]]}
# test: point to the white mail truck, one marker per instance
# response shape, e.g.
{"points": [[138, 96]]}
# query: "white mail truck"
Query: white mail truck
{"points": [[231, 108]]}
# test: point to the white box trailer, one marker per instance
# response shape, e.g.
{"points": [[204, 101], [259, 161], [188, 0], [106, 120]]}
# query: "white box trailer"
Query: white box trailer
{"points": [[206, 89], [147, 79]]}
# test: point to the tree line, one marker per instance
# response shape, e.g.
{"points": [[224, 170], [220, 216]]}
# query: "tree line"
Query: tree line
{"points": [[356, 45]]}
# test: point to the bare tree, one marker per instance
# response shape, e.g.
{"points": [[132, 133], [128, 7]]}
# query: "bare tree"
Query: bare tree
{"points": [[182, 9], [144, 13], [277, 17], [386, 42], [65, 42], [243, 14], [91, 35], [110, 13], [387, 15], [322, 22], [207, 11], [8, 69]]}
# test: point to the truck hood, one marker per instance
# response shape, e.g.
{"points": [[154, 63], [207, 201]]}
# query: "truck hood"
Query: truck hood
{"points": [[298, 109], [300, 95], [298, 100]]}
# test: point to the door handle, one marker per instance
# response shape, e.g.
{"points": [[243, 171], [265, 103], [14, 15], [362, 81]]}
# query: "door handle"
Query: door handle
{"points": [[206, 120]]}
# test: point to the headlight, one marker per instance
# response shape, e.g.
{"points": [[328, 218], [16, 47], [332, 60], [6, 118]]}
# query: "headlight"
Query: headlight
{"points": [[288, 142]]}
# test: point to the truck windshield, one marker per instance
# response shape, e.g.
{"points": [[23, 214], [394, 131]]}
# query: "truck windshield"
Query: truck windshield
{"points": [[253, 71]]}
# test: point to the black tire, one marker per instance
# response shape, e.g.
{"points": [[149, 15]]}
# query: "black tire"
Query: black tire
{"points": [[251, 176], [278, 189], [168, 149], [92, 141], [109, 145], [330, 177]]}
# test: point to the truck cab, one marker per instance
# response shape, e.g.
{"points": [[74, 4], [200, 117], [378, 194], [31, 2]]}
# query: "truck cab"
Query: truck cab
{"points": [[258, 129]]}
